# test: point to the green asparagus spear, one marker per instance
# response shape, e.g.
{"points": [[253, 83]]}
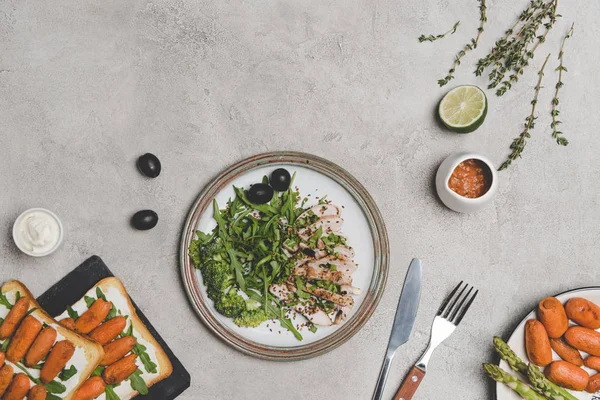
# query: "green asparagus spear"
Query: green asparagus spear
{"points": [[509, 356], [501, 376], [543, 385]]}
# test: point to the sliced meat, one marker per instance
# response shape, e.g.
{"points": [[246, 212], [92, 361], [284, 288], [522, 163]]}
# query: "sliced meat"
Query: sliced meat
{"points": [[344, 252], [321, 210], [342, 265], [342, 300], [329, 224], [323, 274], [341, 314], [314, 314], [350, 290]]}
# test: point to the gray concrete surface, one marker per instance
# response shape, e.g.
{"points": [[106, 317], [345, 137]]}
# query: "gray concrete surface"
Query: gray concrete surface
{"points": [[86, 87]]}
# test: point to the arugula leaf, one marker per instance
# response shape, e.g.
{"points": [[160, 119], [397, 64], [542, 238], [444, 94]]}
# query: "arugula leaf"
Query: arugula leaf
{"points": [[110, 393], [100, 294], [137, 382], [55, 387], [89, 301], [5, 345], [31, 311], [98, 371], [149, 365], [67, 373], [140, 350], [222, 225], [38, 366], [237, 267], [72, 313], [112, 313], [4, 301], [18, 296], [312, 243], [50, 396], [1, 321]]}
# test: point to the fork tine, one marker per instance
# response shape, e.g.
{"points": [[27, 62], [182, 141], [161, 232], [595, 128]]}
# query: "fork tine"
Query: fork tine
{"points": [[447, 299], [462, 302], [465, 309], [453, 304]]}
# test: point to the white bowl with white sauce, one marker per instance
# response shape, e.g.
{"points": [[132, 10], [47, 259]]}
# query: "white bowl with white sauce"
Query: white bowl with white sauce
{"points": [[38, 232]]}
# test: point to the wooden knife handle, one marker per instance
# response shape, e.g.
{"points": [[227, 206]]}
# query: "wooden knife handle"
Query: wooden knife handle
{"points": [[410, 385]]}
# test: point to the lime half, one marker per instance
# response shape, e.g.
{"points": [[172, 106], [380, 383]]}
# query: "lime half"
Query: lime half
{"points": [[463, 109]]}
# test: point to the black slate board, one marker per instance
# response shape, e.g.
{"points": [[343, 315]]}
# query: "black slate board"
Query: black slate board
{"points": [[72, 288]]}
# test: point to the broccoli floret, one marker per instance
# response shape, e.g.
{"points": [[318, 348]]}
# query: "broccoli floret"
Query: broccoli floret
{"points": [[231, 304], [218, 278], [251, 319], [252, 305]]}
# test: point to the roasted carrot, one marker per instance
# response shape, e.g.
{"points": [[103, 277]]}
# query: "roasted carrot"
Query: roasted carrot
{"points": [[583, 312], [119, 371], [108, 330], [593, 384], [93, 317], [593, 362], [41, 346], [552, 314], [14, 318], [116, 350], [566, 352], [567, 375], [38, 392], [6, 375], [18, 389], [90, 389], [68, 323], [537, 343], [60, 354], [23, 339], [584, 339]]}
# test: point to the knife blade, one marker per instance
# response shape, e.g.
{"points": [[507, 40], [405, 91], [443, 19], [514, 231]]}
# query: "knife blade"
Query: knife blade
{"points": [[404, 320], [406, 313]]}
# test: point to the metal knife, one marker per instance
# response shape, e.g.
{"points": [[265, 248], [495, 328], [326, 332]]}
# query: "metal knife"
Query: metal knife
{"points": [[403, 322]]}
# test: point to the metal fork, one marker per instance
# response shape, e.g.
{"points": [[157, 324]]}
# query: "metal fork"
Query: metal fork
{"points": [[451, 312]]}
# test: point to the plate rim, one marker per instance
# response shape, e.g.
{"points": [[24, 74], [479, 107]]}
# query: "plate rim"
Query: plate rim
{"points": [[523, 320], [381, 255]]}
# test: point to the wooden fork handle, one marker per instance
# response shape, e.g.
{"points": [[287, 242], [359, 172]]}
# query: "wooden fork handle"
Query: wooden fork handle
{"points": [[410, 385]]}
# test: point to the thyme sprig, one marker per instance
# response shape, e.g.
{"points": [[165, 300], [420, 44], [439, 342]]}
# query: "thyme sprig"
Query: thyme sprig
{"points": [[513, 53], [433, 38], [556, 134], [469, 46], [518, 144]]}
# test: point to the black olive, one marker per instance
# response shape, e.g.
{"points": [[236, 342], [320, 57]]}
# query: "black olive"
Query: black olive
{"points": [[149, 165], [281, 179], [144, 220], [260, 193]]}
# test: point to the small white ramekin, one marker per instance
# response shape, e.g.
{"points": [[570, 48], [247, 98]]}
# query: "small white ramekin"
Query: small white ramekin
{"points": [[453, 200], [15, 232]]}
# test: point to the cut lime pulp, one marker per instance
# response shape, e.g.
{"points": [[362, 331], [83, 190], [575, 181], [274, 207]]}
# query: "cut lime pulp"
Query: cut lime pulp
{"points": [[463, 109]]}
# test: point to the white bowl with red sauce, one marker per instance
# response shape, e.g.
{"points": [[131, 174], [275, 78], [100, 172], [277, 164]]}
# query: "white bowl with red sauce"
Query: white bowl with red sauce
{"points": [[466, 182]]}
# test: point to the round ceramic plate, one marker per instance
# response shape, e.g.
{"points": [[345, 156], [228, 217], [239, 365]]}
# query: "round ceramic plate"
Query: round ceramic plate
{"points": [[363, 227], [517, 343]]}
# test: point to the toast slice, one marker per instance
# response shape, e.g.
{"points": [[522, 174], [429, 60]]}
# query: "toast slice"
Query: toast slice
{"points": [[153, 363], [87, 354]]}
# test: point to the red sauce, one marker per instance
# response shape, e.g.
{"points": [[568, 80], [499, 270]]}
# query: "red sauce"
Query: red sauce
{"points": [[471, 178]]}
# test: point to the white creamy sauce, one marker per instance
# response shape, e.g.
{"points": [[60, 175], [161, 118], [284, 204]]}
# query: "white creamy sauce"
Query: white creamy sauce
{"points": [[124, 390], [38, 232], [78, 360]]}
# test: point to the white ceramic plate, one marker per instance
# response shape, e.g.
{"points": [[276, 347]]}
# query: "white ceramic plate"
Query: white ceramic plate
{"points": [[517, 343], [363, 227]]}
